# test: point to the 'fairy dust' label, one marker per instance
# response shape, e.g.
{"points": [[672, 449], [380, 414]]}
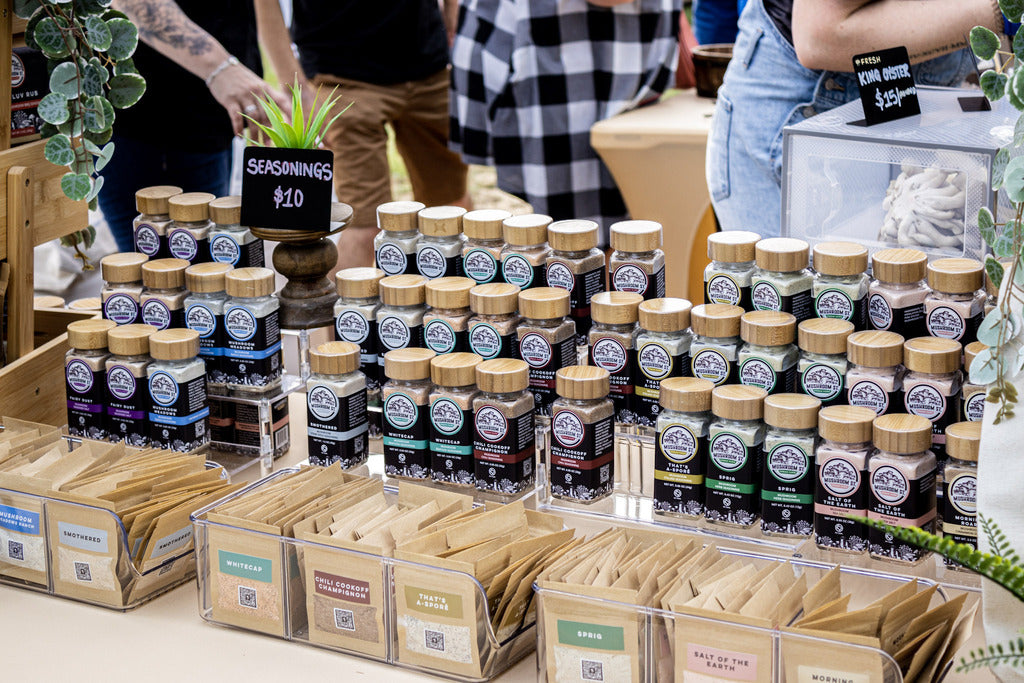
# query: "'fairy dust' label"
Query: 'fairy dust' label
{"points": [[156, 313], [185, 246], [581, 456], [85, 399], [711, 365], [392, 260], [126, 407], [679, 471], [122, 309], [147, 240]]}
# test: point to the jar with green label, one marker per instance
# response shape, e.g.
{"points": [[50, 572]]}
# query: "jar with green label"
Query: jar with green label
{"points": [[787, 483], [582, 453], [662, 352], [840, 287], [681, 446], [716, 343], [875, 377], [451, 418], [782, 281], [336, 418], [735, 438], [395, 244], [492, 328], [727, 277], [405, 402], [638, 264], [960, 502], [768, 356], [972, 395], [481, 254], [446, 322], [613, 346], [823, 364], [504, 438], [526, 250], [439, 251]]}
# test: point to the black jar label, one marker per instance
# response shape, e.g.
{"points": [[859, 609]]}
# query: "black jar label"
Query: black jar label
{"points": [[654, 364], [867, 394], [440, 337], [545, 360], [184, 245], [451, 442], [150, 242], [517, 270], [178, 413], [486, 342], [210, 327], [733, 481], [581, 287], [679, 471], [609, 354], [629, 277], [337, 427], [226, 249], [86, 392], [723, 289], [907, 321], [927, 401], [960, 508], [712, 365], [839, 495], [582, 456], [393, 261], [787, 491], [432, 264], [406, 437], [764, 296], [902, 502], [252, 347], [158, 314], [127, 406], [122, 309], [352, 326], [823, 382], [503, 450]]}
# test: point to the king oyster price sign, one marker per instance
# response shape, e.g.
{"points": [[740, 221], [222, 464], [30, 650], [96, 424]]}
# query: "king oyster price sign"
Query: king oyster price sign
{"points": [[287, 189], [887, 88]]}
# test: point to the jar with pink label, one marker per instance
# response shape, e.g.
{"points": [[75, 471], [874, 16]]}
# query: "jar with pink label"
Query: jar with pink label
{"points": [[955, 308]]}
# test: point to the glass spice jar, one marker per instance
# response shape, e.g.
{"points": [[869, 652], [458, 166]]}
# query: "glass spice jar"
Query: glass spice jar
{"points": [[638, 263], [613, 346], [178, 409], [492, 329], [122, 287], [768, 356], [230, 241], [252, 341], [823, 365], [931, 387], [681, 446], [126, 398], [716, 342], [400, 317], [336, 419], [582, 450], [504, 438], [787, 482], [875, 375], [896, 296], [451, 418], [85, 366], [727, 277], [396, 243], [446, 322], [577, 266], [840, 288], [526, 250], [188, 235], [972, 396], [736, 434], [782, 281], [662, 352], [163, 294], [841, 491], [956, 305], [150, 226], [481, 254], [960, 499], [204, 313], [439, 251], [546, 341], [406, 408], [355, 321]]}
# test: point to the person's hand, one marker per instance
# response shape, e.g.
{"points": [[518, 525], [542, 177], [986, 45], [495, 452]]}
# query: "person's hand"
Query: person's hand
{"points": [[236, 89]]}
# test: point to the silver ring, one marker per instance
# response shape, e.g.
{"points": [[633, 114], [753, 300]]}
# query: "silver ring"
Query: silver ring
{"points": [[250, 108]]}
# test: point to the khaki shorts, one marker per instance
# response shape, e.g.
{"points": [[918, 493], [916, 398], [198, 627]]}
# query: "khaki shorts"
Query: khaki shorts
{"points": [[418, 113]]}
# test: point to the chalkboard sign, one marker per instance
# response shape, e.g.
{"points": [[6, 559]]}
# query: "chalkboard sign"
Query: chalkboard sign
{"points": [[887, 88], [287, 188]]}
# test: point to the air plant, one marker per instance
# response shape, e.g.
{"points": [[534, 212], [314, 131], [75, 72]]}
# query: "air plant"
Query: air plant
{"points": [[300, 131]]}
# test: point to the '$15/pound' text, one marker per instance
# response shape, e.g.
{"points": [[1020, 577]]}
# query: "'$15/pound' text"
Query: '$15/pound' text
{"points": [[892, 97]]}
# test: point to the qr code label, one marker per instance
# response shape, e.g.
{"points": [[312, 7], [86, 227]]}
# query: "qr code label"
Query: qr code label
{"points": [[166, 568], [433, 640], [15, 550], [344, 619], [82, 571], [247, 597], [591, 670]]}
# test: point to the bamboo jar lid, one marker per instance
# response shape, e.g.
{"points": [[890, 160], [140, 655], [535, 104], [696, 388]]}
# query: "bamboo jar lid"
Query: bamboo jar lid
{"points": [[248, 283], [544, 303], [441, 221], [206, 277], [402, 290], [846, 424], [89, 303], [484, 224], [971, 351], [123, 267], [738, 402], [716, 320], [582, 382], [177, 344], [963, 440], [46, 301], [665, 315], [526, 230], [190, 207], [824, 335], [129, 340], [454, 369], [89, 334], [840, 258], [334, 358], [791, 411], [164, 273], [902, 266], [932, 355], [153, 200], [768, 328], [399, 216], [733, 246], [782, 254], [226, 210], [686, 394], [573, 235], [875, 349], [636, 236], [502, 376], [956, 275], [902, 433], [615, 308], [448, 292], [358, 283], [408, 364], [494, 298]]}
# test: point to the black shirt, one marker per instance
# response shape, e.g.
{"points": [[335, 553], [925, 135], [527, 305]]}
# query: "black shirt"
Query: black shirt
{"points": [[382, 42], [781, 12], [177, 108]]}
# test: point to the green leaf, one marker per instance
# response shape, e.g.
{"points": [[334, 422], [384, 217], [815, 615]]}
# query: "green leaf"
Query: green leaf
{"points": [[53, 108], [25, 8], [100, 138], [993, 84], [983, 369], [1013, 179], [984, 42], [96, 186], [125, 66], [1012, 9], [72, 127], [83, 165], [94, 204], [126, 90], [124, 39], [76, 186], [995, 271], [999, 163], [64, 80], [47, 130], [103, 156], [998, 237], [94, 120], [97, 34], [93, 78], [996, 330], [51, 39], [58, 151]]}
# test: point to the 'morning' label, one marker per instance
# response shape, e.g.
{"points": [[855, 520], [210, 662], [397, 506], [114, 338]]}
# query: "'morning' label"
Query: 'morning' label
{"points": [[391, 259], [945, 322]]}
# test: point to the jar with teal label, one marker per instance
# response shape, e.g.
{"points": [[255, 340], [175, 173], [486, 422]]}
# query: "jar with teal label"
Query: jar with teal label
{"points": [[405, 403], [481, 254], [395, 245], [446, 322], [526, 250], [451, 418]]}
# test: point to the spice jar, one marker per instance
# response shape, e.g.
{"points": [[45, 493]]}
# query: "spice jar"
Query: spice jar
{"points": [[727, 277], [127, 400], [163, 294], [875, 375], [547, 341], [503, 444], [92, 304], [230, 241], [960, 499], [840, 288], [955, 307], [451, 418], [782, 281], [355, 321], [932, 385], [400, 317], [336, 419], [902, 483], [178, 409], [85, 366], [439, 251], [204, 313], [52, 301], [896, 295], [681, 446], [613, 346], [787, 483], [406, 407], [188, 235], [122, 287], [768, 356], [662, 351], [492, 329], [481, 253], [842, 491], [972, 396], [736, 434], [716, 342], [823, 365], [395, 245], [582, 445], [446, 322], [252, 341], [150, 226], [638, 263], [526, 250], [577, 266]]}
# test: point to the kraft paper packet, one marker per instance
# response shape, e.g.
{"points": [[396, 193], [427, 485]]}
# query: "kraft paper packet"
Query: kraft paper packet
{"points": [[926, 652], [170, 533], [829, 609], [513, 608], [958, 636], [897, 620], [88, 561], [23, 553], [246, 579], [863, 622], [826, 590], [806, 658]]}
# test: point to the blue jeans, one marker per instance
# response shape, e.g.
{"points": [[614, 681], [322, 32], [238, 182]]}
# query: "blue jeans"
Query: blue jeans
{"points": [[766, 89], [714, 21], [137, 164]]}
